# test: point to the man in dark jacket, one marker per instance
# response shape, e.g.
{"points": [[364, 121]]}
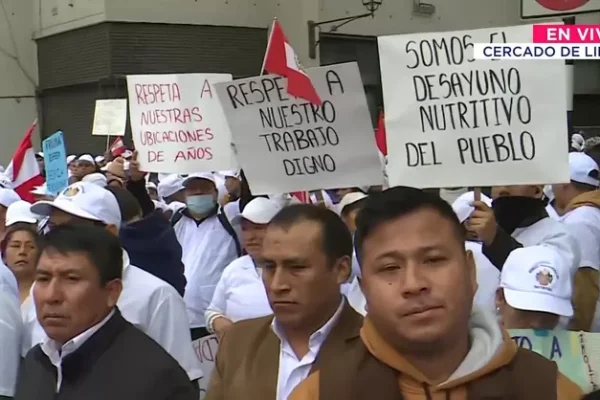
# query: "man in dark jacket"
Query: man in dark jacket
{"points": [[91, 352]]}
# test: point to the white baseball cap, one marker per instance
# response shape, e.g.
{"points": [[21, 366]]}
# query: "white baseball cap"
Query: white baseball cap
{"points": [[462, 205], [20, 211], [175, 206], [127, 154], [170, 185], [87, 158], [84, 200], [99, 159], [151, 185], [234, 173], [537, 278], [41, 190], [582, 167], [350, 198], [40, 154], [199, 175], [96, 178], [5, 181], [7, 197], [259, 211], [71, 158]]}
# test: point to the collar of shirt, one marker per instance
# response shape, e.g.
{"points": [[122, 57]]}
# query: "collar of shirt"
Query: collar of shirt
{"points": [[316, 339], [126, 260], [56, 353]]}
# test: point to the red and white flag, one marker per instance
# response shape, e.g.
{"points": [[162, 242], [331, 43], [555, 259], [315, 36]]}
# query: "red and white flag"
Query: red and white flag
{"points": [[23, 170], [303, 197], [281, 59], [380, 135], [118, 147]]}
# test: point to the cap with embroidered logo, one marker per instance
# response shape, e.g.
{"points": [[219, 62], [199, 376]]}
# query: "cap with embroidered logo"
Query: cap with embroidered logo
{"points": [[537, 278], [84, 200]]}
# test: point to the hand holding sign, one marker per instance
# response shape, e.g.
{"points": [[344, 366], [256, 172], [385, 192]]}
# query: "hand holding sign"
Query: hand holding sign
{"points": [[483, 222], [135, 175]]}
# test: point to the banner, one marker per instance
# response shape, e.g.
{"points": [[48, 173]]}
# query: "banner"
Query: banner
{"points": [[206, 351], [178, 125], [110, 117], [577, 354], [55, 163], [289, 145], [453, 121]]}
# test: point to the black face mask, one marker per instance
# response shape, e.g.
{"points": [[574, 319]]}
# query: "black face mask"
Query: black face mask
{"points": [[514, 212]]}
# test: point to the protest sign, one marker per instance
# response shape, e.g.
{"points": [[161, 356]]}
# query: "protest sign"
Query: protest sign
{"points": [[575, 353], [177, 123], [206, 351], [110, 117], [55, 163], [453, 121], [286, 144]]}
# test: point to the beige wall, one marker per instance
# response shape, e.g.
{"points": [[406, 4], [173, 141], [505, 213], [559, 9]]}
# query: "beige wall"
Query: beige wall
{"points": [[55, 16], [18, 66]]}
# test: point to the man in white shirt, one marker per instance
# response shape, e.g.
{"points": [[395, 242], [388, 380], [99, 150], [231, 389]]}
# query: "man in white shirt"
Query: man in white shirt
{"points": [[307, 253], [10, 342], [147, 302], [209, 243], [579, 201]]}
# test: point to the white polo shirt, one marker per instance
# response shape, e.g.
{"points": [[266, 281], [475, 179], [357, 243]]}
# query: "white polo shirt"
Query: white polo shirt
{"points": [[240, 293], [154, 307], [10, 343], [207, 249]]}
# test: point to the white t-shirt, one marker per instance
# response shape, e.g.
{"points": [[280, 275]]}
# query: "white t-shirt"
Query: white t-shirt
{"points": [[8, 283], [240, 293], [150, 304], [10, 343]]}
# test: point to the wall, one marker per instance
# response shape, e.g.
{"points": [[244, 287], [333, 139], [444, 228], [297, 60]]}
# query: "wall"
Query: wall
{"points": [[18, 80], [55, 16]]}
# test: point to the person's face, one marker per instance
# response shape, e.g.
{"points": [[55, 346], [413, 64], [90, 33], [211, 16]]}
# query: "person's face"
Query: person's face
{"points": [[68, 295], [21, 253], [197, 187], [517, 190], [520, 319], [252, 238], [418, 281], [301, 283], [84, 168], [562, 195], [233, 185], [40, 162]]}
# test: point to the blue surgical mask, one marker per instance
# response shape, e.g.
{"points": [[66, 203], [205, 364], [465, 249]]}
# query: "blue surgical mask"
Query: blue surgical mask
{"points": [[200, 204]]}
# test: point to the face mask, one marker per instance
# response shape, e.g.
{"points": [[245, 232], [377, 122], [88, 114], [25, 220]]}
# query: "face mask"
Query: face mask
{"points": [[200, 204]]}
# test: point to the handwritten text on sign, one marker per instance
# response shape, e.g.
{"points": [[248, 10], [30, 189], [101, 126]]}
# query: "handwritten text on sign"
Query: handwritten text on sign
{"points": [[178, 124], [55, 162], [286, 144], [206, 351], [455, 121]]}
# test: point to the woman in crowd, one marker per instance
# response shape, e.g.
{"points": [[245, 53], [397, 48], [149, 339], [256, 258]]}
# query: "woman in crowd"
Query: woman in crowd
{"points": [[240, 293], [20, 248]]}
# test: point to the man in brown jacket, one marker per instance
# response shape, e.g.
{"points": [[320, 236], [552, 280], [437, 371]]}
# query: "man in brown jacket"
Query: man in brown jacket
{"points": [[422, 339], [306, 257]]}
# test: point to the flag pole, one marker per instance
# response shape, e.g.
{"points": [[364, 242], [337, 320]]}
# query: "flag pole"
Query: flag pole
{"points": [[107, 143], [262, 69]]}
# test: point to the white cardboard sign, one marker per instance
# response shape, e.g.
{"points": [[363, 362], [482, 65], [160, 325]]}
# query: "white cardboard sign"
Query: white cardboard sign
{"points": [[286, 144], [177, 123], [110, 117], [452, 121], [206, 350]]}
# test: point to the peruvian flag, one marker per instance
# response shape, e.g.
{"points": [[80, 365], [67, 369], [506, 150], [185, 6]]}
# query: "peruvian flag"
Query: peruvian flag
{"points": [[118, 147], [303, 197], [23, 170], [281, 59], [380, 137]]}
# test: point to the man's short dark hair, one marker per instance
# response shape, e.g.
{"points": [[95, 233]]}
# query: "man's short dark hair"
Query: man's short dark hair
{"points": [[398, 202], [128, 204], [336, 240], [101, 247]]}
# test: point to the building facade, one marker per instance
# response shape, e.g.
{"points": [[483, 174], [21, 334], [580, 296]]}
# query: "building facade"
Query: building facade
{"points": [[72, 52]]}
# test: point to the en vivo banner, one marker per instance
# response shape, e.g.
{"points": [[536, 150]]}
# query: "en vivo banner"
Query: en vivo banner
{"points": [[110, 117], [286, 144], [55, 162], [177, 123], [577, 354], [206, 351], [453, 121]]}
